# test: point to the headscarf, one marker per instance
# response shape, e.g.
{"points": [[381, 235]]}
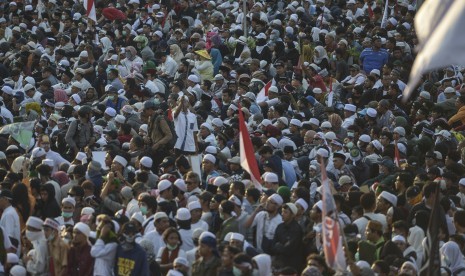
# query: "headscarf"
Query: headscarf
{"points": [[307, 53], [321, 54], [133, 52], [217, 60], [106, 45], [415, 237], [209, 43], [264, 264], [177, 53], [452, 257], [59, 95], [61, 177], [335, 120]]}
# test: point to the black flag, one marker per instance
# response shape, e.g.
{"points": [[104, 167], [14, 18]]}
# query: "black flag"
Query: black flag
{"points": [[432, 263]]}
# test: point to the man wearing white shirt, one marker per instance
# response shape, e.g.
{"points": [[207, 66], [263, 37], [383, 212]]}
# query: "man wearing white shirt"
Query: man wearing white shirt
{"points": [[168, 67], [185, 124], [52, 155], [349, 115], [266, 220], [368, 203], [161, 222], [10, 220]]}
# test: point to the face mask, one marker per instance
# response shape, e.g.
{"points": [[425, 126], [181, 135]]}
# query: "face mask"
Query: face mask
{"points": [[129, 239], [156, 101], [143, 210], [48, 51], [237, 271], [111, 98], [66, 240], [33, 236], [67, 214], [255, 272], [171, 248], [63, 17], [128, 55], [124, 33], [221, 216], [51, 237]]}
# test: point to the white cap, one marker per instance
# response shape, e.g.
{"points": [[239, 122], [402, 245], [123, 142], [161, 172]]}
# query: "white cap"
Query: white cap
{"points": [[322, 152], [399, 130], [17, 270], [121, 160], [28, 87], [296, 122], [326, 124], [273, 89], [38, 152], [365, 138], [391, 198], [146, 161], [372, 112], [277, 199], [217, 122], [237, 237], [219, 180], [194, 205], [207, 126], [350, 107], [398, 238], [302, 203], [81, 156], [69, 200], [211, 150], [110, 111], [183, 214], [292, 207], [209, 157], [181, 185], [76, 98], [34, 222], [314, 121], [193, 78], [317, 90], [83, 228], [87, 211], [120, 119], [462, 182], [271, 177], [159, 215], [163, 185], [376, 72], [84, 54]]}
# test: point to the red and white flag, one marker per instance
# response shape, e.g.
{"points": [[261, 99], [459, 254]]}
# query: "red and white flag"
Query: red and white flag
{"points": [[89, 5], [332, 240], [396, 155], [263, 94], [247, 154]]}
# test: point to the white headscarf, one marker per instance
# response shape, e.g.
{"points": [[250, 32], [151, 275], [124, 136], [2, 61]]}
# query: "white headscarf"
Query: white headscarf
{"points": [[321, 54], [452, 257], [264, 264], [415, 238]]}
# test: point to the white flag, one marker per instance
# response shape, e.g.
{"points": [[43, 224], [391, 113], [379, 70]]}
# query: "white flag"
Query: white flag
{"points": [[442, 44], [89, 5]]}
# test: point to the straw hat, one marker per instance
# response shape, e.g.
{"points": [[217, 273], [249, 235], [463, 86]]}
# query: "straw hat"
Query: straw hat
{"points": [[203, 53]]}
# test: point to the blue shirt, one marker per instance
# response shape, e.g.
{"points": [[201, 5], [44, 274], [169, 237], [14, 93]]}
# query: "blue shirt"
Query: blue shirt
{"points": [[290, 176], [373, 59]]}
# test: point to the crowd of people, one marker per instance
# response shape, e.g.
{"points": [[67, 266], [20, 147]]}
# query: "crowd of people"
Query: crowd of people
{"points": [[159, 89]]}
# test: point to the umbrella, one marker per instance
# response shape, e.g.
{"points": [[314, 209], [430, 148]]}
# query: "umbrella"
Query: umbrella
{"points": [[113, 14]]}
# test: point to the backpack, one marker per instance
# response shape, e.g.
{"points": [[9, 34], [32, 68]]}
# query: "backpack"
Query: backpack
{"points": [[173, 140]]}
